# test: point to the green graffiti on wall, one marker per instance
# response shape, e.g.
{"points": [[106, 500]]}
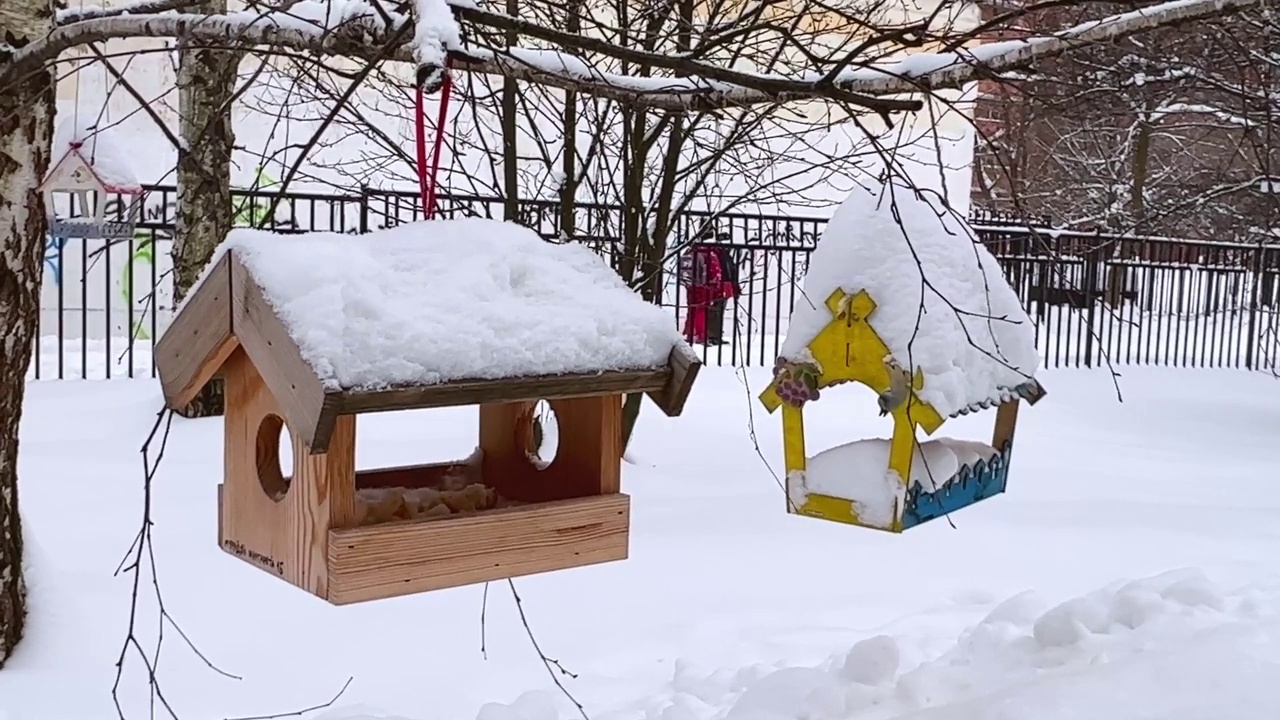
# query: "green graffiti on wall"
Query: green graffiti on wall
{"points": [[247, 214], [145, 252]]}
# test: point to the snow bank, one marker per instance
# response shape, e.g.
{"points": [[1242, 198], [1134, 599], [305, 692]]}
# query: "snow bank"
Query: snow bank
{"points": [[442, 300], [1191, 652], [1136, 503], [532, 705], [859, 472], [942, 302], [109, 160]]}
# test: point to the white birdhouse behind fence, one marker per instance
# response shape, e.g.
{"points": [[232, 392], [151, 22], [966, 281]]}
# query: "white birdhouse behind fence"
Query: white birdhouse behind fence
{"points": [[86, 171]]}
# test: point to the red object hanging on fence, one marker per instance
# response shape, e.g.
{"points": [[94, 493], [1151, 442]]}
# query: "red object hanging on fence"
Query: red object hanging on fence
{"points": [[703, 279]]}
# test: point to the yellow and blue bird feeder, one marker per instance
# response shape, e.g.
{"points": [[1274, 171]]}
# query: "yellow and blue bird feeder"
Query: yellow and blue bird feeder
{"points": [[849, 349]]}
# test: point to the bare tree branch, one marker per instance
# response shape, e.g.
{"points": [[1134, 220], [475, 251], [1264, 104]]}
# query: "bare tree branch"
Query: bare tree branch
{"points": [[705, 86]]}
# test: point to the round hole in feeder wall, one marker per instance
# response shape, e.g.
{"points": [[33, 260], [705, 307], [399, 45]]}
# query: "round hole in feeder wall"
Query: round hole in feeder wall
{"points": [[544, 436], [274, 450]]}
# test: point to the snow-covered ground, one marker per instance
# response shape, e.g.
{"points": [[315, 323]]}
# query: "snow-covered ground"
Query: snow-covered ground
{"points": [[1131, 572]]}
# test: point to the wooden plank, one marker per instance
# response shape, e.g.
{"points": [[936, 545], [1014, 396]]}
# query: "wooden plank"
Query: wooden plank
{"points": [[199, 340], [286, 536], [1037, 393], [413, 476], [684, 366], [1006, 423], [251, 522], [588, 460], [478, 392], [322, 497], [327, 420], [412, 556], [505, 437], [219, 518], [276, 356]]}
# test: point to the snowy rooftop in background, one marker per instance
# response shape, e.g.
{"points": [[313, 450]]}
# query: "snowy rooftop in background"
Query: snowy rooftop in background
{"points": [[942, 303], [108, 160], [443, 300]]}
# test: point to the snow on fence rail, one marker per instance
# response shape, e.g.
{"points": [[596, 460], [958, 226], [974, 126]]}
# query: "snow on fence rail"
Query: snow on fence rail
{"points": [[1095, 299]]}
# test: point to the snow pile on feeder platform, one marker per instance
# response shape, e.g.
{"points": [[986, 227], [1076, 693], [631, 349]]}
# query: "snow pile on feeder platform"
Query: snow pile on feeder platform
{"points": [[942, 303], [444, 300], [856, 471]]}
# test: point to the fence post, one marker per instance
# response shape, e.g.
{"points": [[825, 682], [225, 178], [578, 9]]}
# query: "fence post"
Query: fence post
{"points": [[364, 209], [1254, 287], [1093, 261]]}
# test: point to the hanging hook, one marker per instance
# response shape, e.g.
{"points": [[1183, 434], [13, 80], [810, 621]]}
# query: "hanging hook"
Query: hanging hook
{"points": [[430, 77]]}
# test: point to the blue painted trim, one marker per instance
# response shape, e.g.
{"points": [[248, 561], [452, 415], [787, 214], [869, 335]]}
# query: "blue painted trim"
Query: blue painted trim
{"points": [[979, 482]]}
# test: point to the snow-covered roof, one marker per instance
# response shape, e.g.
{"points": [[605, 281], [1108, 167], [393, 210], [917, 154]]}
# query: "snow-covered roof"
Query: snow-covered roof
{"points": [[942, 303], [108, 162], [444, 300]]}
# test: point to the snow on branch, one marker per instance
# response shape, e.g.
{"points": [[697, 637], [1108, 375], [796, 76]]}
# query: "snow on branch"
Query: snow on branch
{"points": [[435, 32], [358, 29], [1182, 108], [67, 16], [954, 69]]}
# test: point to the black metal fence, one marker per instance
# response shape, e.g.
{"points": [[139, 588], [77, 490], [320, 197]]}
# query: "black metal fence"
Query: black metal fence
{"points": [[1095, 299]]}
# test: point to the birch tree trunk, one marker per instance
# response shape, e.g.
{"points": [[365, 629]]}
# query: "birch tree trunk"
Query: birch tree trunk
{"points": [[26, 133], [206, 84]]}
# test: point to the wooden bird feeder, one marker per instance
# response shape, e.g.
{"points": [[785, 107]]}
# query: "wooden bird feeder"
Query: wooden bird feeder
{"points": [[314, 531]]}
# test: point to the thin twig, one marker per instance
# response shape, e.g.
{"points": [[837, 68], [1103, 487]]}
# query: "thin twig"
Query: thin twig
{"points": [[133, 561], [383, 52], [552, 666], [146, 106], [295, 713], [484, 607]]}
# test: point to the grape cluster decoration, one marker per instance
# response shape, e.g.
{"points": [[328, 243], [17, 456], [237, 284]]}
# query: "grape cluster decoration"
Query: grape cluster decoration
{"points": [[795, 382]]}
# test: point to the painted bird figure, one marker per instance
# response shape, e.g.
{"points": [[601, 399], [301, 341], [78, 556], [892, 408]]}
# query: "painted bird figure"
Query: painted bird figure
{"points": [[899, 388]]}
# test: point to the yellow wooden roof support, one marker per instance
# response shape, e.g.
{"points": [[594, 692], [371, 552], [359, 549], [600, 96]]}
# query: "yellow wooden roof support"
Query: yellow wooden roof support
{"points": [[848, 349]]}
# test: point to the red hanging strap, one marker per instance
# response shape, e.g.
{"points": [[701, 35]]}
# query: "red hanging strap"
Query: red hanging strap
{"points": [[421, 132], [427, 176]]}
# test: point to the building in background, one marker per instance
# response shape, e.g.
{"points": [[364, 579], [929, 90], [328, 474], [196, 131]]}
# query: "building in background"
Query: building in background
{"points": [[1167, 133]]}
